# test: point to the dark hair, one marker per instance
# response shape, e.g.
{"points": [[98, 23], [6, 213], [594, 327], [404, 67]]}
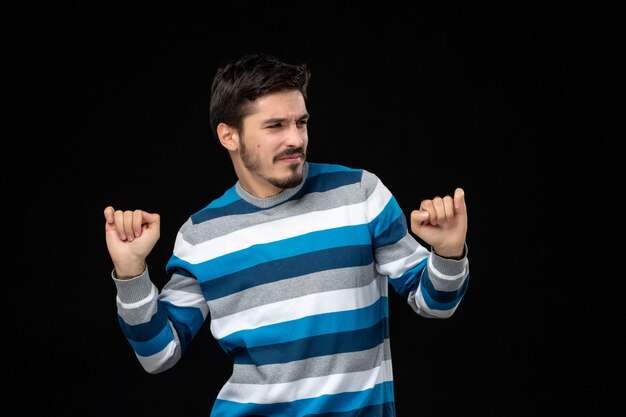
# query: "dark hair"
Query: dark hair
{"points": [[238, 83]]}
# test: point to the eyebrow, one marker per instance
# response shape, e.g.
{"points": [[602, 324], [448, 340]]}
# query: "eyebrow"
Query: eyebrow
{"points": [[283, 119]]}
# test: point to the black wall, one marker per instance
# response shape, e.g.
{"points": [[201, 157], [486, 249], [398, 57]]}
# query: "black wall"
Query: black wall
{"points": [[515, 103]]}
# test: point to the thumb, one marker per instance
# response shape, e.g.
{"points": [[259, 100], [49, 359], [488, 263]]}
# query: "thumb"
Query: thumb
{"points": [[459, 201]]}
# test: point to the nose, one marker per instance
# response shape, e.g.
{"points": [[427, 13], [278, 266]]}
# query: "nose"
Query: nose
{"points": [[296, 134]]}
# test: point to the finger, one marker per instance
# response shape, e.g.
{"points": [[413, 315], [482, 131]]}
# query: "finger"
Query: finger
{"points": [[420, 216], [118, 216], [459, 200], [426, 206], [448, 205], [440, 211], [418, 219], [137, 222], [128, 225]]}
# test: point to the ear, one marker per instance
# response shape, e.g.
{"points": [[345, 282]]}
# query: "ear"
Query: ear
{"points": [[228, 136]]}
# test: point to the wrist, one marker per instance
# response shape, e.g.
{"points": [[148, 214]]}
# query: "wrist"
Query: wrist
{"points": [[455, 254], [129, 271]]}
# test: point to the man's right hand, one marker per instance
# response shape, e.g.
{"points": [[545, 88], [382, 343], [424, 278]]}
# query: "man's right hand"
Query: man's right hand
{"points": [[130, 237]]}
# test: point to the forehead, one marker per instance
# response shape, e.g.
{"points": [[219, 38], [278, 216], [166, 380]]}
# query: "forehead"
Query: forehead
{"points": [[282, 104]]}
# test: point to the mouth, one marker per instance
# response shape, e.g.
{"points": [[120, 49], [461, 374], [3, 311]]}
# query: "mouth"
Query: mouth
{"points": [[290, 157], [293, 158]]}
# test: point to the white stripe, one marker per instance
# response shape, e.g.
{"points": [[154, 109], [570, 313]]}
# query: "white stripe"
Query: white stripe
{"points": [[421, 305], [155, 362], [295, 308], [140, 303], [186, 299], [308, 387], [377, 201], [396, 268], [350, 215]]}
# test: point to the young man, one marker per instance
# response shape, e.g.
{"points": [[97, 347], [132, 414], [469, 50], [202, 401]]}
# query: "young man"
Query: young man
{"points": [[292, 263]]}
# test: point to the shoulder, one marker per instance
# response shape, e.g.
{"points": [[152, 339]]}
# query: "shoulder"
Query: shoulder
{"points": [[337, 175]]}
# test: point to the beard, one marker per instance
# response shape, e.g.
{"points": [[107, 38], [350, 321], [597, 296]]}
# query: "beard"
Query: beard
{"points": [[292, 180]]}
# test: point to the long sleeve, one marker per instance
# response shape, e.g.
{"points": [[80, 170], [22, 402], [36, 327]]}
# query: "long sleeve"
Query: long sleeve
{"points": [[159, 326]]}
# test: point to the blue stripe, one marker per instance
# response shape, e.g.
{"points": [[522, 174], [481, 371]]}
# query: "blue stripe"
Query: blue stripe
{"points": [[307, 263], [257, 254], [146, 331], [441, 300], [378, 410], [154, 345], [229, 197], [309, 326], [390, 225], [187, 321], [409, 281], [317, 168], [381, 394], [152, 337], [350, 341], [232, 208], [319, 179]]}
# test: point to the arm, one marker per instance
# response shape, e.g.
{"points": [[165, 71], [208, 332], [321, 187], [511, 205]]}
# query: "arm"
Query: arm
{"points": [[433, 282], [158, 326], [442, 223]]}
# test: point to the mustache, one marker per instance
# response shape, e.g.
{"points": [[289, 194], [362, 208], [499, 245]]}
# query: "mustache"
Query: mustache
{"points": [[288, 152]]}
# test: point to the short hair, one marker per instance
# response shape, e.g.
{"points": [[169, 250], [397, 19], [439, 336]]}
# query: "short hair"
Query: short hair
{"points": [[238, 83]]}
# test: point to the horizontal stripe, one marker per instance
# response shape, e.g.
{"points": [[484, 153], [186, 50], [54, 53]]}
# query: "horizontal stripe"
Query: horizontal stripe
{"points": [[187, 321], [337, 363], [377, 410], [275, 251], [319, 178], [308, 387], [296, 308], [396, 268], [138, 304], [153, 345], [148, 330], [186, 299], [380, 394], [314, 346], [272, 231], [271, 292], [409, 281], [306, 264], [441, 300], [389, 226], [157, 361], [309, 326]]}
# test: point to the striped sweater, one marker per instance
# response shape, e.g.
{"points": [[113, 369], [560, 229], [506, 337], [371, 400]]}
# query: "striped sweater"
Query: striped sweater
{"points": [[296, 288]]}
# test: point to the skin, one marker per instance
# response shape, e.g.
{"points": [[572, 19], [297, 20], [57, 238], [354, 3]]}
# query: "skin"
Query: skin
{"points": [[268, 155]]}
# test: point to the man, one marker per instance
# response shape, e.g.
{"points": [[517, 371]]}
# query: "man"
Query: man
{"points": [[292, 263]]}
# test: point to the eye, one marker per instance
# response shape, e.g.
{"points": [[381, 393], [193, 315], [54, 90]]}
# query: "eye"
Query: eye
{"points": [[302, 122]]}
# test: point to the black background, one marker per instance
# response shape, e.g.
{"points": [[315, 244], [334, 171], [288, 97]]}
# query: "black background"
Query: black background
{"points": [[516, 103]]}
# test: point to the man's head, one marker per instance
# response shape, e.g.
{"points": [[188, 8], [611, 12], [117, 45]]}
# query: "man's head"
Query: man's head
{"points": [[239, 83], [259, 115]]}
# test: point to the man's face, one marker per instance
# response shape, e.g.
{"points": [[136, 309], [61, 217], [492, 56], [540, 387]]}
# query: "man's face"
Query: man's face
{"points": [[273, 142]]}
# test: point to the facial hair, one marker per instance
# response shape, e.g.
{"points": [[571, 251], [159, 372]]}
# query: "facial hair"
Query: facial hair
{"points": [[253, 164]]}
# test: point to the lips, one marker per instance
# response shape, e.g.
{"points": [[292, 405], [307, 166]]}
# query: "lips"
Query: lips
{"points": [[289, 156]]}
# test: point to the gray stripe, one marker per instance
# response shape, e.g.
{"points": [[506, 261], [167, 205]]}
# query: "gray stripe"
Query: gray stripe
{"points": [[401, 249], [336, 279], [312, 367], [349, 194]]}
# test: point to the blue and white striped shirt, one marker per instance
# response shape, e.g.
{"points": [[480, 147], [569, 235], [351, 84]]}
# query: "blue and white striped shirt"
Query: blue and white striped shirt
{"points": [[296, 287]]}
